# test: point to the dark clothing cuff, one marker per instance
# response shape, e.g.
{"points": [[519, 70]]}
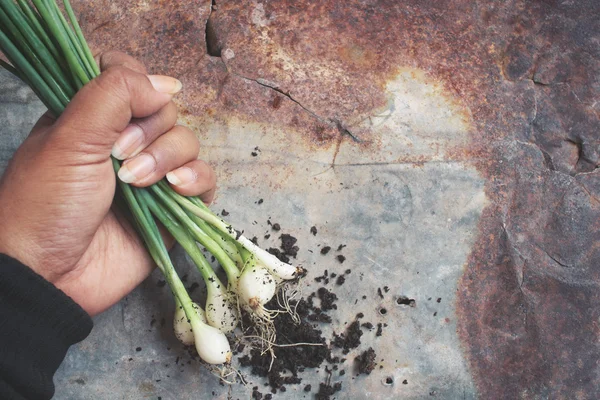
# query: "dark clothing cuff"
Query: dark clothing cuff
{"points": [[38, 324]]}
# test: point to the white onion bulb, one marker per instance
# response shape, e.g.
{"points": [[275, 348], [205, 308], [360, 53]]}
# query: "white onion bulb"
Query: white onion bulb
{"points": [[211, 343], [256, 287], [221, 312], [182, 327]]}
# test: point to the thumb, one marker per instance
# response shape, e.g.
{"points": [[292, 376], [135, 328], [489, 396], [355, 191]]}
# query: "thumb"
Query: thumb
{"points": [[102, 109]]}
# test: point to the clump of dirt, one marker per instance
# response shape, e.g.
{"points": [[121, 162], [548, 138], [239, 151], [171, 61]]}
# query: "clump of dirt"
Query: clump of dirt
{"points": [[327, 298], [349, 339], [366, 361], [288, 248], [288, 245], [327, 390], [289, 361]]}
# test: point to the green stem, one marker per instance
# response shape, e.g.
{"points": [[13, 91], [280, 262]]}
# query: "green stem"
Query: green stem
{"points": [[19, 41], [183, 238], [35, 21], [38, 47], [81, 37], [213, 247], [28, 71], [156, 247], [74, 42], [55, 27]]}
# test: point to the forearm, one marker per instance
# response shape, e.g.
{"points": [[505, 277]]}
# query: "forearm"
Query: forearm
{"points": [[38, 324]]}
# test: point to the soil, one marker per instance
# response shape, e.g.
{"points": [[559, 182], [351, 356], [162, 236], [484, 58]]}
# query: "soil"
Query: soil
{"points": [[349, 339], [366, 361], [313, 230], [289, 361], [327, 390], [325, 250], [327, 298], [288, 245]]}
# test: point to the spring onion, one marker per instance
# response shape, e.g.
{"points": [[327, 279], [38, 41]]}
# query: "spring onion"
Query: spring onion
{"points": [[49, 53]]}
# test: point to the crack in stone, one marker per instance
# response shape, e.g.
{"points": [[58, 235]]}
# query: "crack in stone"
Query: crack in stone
{"points": [[339, 125], [210, 36]]}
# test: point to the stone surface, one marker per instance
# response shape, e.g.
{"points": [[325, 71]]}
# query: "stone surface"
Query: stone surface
{"points": [[453, 146]]}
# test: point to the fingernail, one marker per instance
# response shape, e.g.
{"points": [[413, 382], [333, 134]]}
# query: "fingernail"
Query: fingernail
{"points": [[165, 84], [128, 143], [137, 168], [181, 176]]}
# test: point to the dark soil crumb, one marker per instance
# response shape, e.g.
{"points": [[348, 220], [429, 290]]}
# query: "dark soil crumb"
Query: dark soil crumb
{"points": [[341, 258], [366, 361], [138, 349], [260, 201], [325, 250], [386, 289], [268, 396], [349, 339], [380, 293], [348, 271], [313, 230], [340, 247], [279, 254], [254, 240], [307, 388], [256, 395], [439, 300], [289, 361], [405, 382], [224, 213], [340, 280], [328, 299], [403, 300], [288, 245], [327, 390], [360, 315], [367, 325], [333, 275], [161, 284], [343, 372], [276, 227], [379, 329]]}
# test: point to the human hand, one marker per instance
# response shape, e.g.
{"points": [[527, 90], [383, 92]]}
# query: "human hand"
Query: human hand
{"points": [[56, 212]]}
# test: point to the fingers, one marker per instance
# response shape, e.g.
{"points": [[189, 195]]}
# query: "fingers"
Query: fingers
{"points": [[195, 178], [141, 132], [117, 59], [102, 109], [169, 151]]}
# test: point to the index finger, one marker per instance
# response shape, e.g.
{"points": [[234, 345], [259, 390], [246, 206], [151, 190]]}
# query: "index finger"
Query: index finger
{"points": [[114, 58]]}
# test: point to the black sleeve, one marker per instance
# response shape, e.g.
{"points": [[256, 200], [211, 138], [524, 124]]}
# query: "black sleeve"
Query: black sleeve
{"points": [[38, 323]]}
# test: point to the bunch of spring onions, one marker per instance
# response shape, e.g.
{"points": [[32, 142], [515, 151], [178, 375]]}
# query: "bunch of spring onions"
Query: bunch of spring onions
{"points": [[48, 51]]}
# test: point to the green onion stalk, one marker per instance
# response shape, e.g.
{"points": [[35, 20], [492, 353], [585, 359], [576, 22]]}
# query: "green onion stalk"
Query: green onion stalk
{"points": [[47, 50]]}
